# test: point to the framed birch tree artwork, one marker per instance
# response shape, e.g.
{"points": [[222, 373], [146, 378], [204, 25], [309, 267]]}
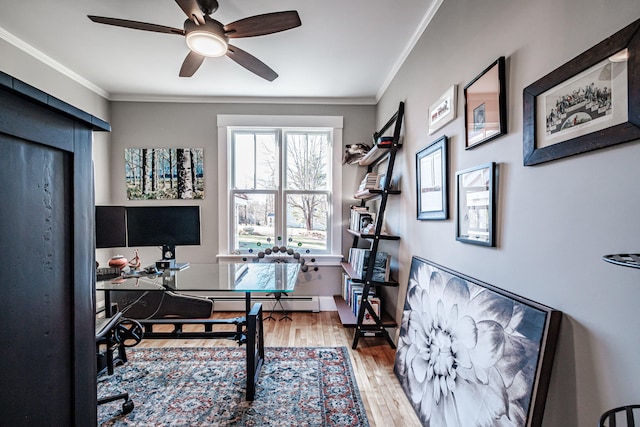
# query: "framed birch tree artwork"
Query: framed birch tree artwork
{"points": [[164, 173]]}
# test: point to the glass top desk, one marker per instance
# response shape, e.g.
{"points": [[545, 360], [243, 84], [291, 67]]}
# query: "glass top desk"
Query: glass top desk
{"points": [[211, 278]]}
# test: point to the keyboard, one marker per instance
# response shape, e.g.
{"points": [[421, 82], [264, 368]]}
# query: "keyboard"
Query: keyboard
{"points": [[107, 273]]}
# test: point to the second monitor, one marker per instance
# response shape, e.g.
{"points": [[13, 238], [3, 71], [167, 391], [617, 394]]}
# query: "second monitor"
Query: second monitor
{"points": [[166, 226]]}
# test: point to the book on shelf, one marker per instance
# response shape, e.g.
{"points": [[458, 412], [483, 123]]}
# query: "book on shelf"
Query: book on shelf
{"points": [[375, 305], [360, 218], [371, 181], [384, 141], [359, 260], [350, 289]]}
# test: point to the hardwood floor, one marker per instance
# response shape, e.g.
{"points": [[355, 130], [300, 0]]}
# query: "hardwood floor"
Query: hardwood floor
{"points": [[384, 399]]}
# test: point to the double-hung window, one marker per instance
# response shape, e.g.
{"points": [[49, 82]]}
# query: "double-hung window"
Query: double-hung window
{"points": [[282, 184]]}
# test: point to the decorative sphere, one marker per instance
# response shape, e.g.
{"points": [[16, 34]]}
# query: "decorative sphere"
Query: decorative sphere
{"points": [[290, 251], [267, 251], [260, 254]]}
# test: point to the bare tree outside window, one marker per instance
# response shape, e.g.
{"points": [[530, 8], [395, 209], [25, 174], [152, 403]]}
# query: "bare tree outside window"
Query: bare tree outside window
{"points": [[289, 207], [307, 169]]}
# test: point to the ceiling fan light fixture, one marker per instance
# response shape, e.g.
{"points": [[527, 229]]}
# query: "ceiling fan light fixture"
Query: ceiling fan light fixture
{"points": [[206, 43]]}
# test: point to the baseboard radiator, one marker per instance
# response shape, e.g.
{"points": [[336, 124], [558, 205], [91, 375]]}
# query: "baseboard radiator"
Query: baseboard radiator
{"points": [[289, 303]]}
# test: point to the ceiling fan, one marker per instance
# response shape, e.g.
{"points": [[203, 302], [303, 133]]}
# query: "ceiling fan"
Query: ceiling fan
{"points": [[207, 37]]}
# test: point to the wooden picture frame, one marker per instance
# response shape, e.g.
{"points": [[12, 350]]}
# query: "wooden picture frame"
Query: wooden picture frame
{"points": [[591, 102], [485, 105], [475, 201], [495, 348], [431, 177], [443, 110]]}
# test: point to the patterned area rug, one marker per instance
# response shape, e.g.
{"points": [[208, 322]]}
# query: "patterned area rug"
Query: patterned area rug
{"points": [[298, 386]]}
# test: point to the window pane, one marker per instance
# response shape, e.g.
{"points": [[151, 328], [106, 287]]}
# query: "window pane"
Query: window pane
{"points": [[254, 220], [307, 216], [308, 160], [255, 164]]}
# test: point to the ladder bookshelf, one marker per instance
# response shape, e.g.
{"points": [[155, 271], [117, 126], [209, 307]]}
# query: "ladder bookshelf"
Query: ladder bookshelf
{"points": [[374, 158]]}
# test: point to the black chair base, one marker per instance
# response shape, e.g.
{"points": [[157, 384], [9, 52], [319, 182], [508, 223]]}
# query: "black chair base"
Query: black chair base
{"points": [[127, 406], [113, 333]]}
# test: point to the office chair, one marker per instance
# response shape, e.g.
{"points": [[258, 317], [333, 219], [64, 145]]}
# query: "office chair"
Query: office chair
{"points": [[622, 416], [114, 334]]}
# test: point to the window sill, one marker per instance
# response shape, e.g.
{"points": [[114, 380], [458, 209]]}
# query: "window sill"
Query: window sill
{"points": [[320, 259]]}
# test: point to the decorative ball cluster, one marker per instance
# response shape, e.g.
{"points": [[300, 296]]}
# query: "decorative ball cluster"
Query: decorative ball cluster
{"points": [[288, 251]]}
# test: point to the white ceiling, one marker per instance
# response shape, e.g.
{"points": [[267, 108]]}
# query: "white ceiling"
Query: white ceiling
{"points": [[345, 50]]}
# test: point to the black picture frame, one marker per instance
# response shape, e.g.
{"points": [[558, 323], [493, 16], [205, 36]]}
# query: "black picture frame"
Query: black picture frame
{"points": [[485, 105], [475, 205], [431, 181], [527, 331], [590, 134]]}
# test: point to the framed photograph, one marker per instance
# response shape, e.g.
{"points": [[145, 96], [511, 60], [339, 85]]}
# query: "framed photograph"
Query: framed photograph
{"points": [[591, 102], [443, 110], [473, 353], [475, 214], [431, 174], [485, 105], [164, 173]]}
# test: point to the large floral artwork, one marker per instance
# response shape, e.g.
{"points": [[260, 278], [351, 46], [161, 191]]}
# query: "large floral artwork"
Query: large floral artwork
{"points": [[470, 354]]}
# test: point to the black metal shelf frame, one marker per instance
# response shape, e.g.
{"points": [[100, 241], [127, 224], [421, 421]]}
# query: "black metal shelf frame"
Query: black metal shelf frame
{"points": [[372, 160]]}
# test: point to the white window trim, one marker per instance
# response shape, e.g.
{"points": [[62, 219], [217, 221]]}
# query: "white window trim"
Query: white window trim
{"points": [[224, 156]]}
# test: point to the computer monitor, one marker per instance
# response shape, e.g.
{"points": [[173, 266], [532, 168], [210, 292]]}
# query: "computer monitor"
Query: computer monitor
{"points": [[166, 226], [110, 227]]}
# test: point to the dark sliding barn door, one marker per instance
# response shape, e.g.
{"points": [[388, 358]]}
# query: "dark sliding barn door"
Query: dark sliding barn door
{"points": [[47, 342]]}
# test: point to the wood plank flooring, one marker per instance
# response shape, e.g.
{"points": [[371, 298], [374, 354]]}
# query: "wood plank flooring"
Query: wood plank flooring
{"points": [[384, 399]]}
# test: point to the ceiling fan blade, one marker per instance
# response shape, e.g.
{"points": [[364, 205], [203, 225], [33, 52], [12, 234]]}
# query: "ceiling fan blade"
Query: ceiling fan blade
{"points": [[260, 25], [136, 25], [191, 63], [251, 63], [192, 10]]}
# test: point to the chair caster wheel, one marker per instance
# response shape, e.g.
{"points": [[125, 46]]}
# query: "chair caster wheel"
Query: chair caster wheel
{"points": [[127, 407]]}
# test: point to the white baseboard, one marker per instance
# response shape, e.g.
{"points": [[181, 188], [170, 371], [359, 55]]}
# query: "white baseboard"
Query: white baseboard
{"points": [[327, 304]]}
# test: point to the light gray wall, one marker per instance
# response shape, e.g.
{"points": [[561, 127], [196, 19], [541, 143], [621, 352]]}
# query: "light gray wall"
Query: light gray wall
{"points": [[555, 221], [152, 125]]}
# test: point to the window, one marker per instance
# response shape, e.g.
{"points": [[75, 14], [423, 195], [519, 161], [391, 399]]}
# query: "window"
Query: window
{"points": [[282, 184]]}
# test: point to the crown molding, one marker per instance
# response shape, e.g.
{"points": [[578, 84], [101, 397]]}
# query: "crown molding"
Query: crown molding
{"points": [[243, 100], [431, 12], [47, 60]]}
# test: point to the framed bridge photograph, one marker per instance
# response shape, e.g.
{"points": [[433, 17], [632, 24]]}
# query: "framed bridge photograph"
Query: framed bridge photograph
{"points": [[591, 102]]}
